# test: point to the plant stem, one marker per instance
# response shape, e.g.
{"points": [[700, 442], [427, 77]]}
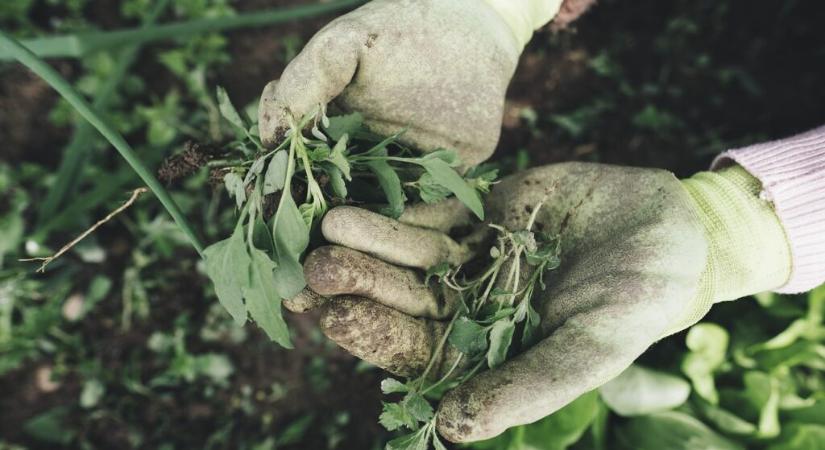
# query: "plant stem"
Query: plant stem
{"points": [[56, 81], [75, 46], [440, 347], [287, 189]]}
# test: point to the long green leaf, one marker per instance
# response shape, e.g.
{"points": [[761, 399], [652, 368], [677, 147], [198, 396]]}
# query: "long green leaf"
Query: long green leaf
{"points": [[263, 301], [446, 176], [390, 184], [77, 152], [56, 81], [227, 263]]}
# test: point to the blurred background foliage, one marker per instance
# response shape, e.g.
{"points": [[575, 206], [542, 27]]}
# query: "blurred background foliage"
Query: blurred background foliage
{"points": [[121, 343]]}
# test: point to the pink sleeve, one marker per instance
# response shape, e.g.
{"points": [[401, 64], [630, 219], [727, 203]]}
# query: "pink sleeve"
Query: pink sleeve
{"points": [[792, 172]]}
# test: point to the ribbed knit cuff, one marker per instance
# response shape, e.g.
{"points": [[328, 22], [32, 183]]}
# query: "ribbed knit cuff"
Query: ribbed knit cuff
{"points": [[792, 173]]}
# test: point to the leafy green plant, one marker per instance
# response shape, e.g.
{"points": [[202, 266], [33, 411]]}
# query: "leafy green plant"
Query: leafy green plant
{"points": [[492, 305], [259, 264]]}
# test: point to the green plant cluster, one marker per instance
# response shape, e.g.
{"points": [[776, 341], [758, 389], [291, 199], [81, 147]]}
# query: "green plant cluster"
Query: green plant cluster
{"points": [[259, 265], [491, 306], [750, 377]]}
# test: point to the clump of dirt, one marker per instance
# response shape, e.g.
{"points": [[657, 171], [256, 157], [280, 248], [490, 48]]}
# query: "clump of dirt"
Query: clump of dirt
{"points": [[179, 166]]}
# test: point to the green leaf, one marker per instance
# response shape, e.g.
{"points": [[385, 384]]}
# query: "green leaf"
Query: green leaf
{"points": [[91, 394], [557, 431], [481, 177], [318, 153], [418, 407], [50, 427], [639, 391], [446, 176], [392, 386], [763, 392], [288, 276], [725, 420], [546, 254], [801, 437], [412, 441], [275, 176], [289, 229], [235, 185], [391, 185], [671, 430], [708, 345], [263, 301], [430, 191], [532, 330], [291, 239], [492, 312], [262, 237], [439, 271], [448, 156], [227, 110], [338, 158], [340, 125], [437, 444], [395, 416], [468, 337], [501, 336], [227, 264], [336, 180], [255, 169]]}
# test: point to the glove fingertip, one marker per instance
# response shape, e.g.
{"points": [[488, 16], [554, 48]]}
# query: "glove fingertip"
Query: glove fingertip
{"points": [[459, 416], [271, 127]]}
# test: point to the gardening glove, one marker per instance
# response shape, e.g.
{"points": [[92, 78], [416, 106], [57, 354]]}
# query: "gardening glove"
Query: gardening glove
{"points": [[438, 68], [643, 255]]}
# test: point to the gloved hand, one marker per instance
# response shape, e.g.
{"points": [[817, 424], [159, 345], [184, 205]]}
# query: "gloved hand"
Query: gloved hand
{"points": [[643, 256], [438, 67]]}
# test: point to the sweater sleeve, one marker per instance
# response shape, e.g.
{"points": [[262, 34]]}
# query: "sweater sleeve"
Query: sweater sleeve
{"points": [[792, 173]]}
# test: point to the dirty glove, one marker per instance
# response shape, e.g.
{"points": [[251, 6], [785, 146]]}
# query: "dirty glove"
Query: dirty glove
{"points": [[643, 256], [438, 67]]}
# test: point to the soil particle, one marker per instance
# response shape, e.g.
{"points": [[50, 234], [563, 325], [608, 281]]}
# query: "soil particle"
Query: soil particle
{"points": [[176, 167]]}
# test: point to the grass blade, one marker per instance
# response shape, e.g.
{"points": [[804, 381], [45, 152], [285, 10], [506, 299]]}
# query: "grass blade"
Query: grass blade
{"points": [[56, 81], [76, 154]]}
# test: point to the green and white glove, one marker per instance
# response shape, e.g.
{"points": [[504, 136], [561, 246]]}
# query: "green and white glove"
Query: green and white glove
{"points": [[644, 255], [439, 68]]}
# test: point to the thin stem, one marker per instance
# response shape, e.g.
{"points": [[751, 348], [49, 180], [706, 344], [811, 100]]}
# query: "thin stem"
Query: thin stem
{"points": [[439, 347], [56, 81], [446, 376], [135, 194]]}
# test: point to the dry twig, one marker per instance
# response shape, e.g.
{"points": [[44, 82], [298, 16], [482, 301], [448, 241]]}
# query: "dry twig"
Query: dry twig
{"points": [[46, 260]]}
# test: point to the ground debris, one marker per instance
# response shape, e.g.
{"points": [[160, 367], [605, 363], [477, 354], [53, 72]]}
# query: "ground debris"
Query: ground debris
{"points": [[193, 157]]}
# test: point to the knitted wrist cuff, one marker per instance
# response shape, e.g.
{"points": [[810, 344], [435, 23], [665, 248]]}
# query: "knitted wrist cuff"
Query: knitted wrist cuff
{"points": [[792, 174]]}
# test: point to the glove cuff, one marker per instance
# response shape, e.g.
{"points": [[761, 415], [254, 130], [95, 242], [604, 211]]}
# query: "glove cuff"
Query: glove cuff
{"points": [[792, 173], [525, 16], [748, 250]]}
